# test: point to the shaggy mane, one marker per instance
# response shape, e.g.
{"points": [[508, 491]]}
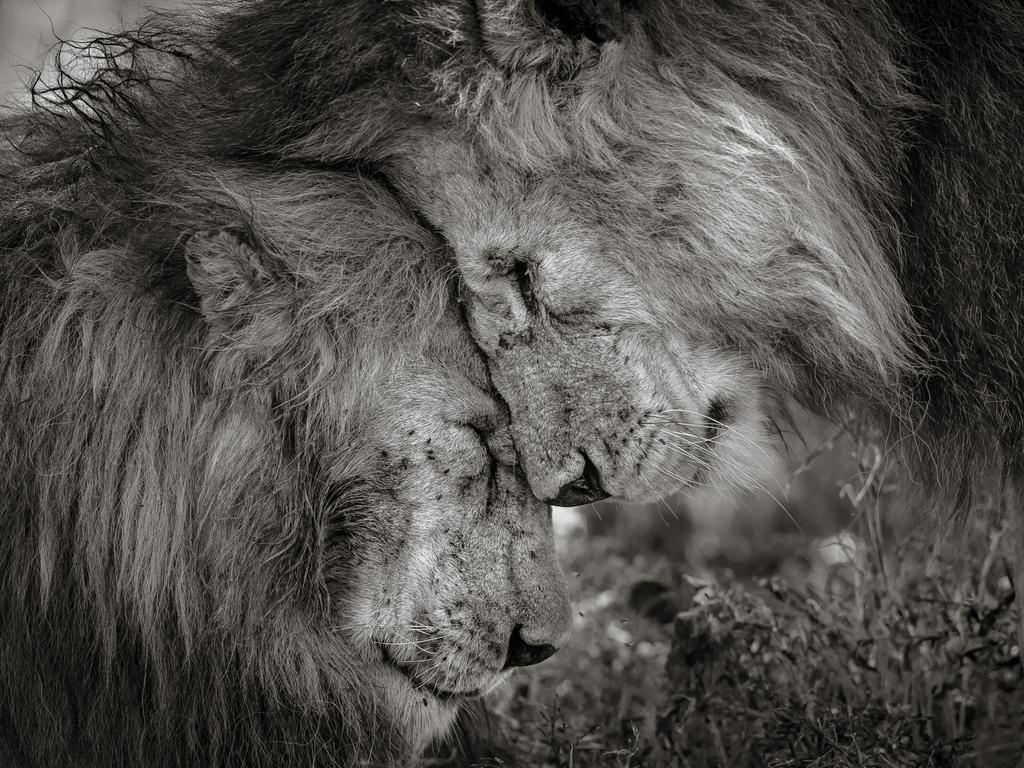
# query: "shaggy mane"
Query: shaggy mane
{"points": [[213, 417]]}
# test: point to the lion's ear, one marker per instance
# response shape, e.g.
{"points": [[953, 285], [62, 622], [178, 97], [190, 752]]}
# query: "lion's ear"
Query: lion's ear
{"points": [[229, 275], [596, 20]]}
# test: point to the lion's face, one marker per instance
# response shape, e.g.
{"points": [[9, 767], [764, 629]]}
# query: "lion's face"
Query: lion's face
{"points": [[435, 567], [617, 381], [638, 356], [463, 583]]}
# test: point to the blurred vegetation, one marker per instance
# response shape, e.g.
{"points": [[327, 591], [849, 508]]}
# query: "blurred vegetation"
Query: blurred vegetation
{"points": [[29, 28], [878, 646]]}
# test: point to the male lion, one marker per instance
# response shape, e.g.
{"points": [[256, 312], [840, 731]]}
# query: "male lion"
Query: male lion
{"points": [[669, 216], [257, 499]]}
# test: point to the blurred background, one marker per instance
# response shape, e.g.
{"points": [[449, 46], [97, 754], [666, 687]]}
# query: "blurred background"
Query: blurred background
{"points": [[28, 28]]}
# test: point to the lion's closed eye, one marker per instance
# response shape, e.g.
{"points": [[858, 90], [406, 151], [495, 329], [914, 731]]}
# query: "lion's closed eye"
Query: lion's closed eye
{"points": [[465, 451], [525, 277]]}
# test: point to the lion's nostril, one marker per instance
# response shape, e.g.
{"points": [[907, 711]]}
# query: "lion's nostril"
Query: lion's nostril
{"points": [[523, 654], [586, 489]]}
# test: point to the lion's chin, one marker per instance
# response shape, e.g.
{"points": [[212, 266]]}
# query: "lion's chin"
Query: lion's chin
{"points": [[421, 717]]}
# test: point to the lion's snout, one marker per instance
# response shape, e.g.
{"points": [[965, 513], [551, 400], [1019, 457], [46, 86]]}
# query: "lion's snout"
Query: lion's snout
{"points": [[525, 654], [585, 489]]}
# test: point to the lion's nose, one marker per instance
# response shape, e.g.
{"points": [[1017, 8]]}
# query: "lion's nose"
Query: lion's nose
{"points": [[586, 489], [523, 654]]}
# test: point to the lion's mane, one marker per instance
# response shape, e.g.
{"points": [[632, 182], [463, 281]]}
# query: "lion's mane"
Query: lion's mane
{"points": [[172, 548]]}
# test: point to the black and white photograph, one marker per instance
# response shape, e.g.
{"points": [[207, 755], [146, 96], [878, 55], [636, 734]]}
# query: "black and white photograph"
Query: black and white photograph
{"points": [[511, 383]]}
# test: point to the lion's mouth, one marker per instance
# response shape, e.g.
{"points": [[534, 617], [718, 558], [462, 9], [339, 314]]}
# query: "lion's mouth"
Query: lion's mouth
{"points": [[409, 673]]}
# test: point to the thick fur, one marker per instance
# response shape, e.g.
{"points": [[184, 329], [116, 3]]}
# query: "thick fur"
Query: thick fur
{"points": [[258, 505]]}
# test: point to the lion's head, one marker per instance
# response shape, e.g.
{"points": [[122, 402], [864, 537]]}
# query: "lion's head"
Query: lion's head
{"points": [[259, 499], [666, 215]]}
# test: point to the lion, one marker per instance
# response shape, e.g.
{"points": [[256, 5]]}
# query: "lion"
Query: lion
{"points": [[670, 218], [260, 505]]}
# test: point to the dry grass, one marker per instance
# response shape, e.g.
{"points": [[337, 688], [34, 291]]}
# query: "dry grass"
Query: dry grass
{"points": [[904, 656]]}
